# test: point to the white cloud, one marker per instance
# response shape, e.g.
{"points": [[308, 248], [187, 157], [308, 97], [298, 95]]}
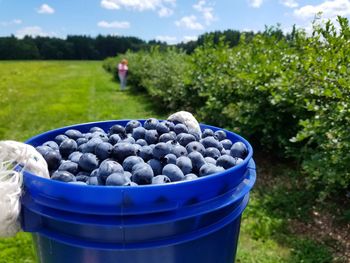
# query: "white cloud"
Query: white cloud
{"points": [[189, 38], [108, 4], [114, 24], [289, 3], [207, 12], [163, 7], [329, 9], [164, 11], [33, 31], [255, 3], [168, 39], [189, 22], [12, 22], [45, 9]]}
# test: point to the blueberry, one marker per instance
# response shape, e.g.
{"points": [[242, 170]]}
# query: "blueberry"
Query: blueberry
{"points": [[122, 150], [180, 128], [43, 149], [190, 177], [130, 140], [142, 174], [151, 136], [185, 139], [210, 160], [95, 173], [167, 137], [173, 172], [226, 161], [103, 150], [178, 150], [69, 166], [137, 166], [63, 176], [96, 129], [238, 160], [82, 140], [82, 173], [160, 179], [220, 135], [207, 132], [130, 161], [152, 146], [117, 179], [81, 148], [88, 162], [73, 134], [146, 153], [137, 148], [197, 160], [108, 167], [170, 125], [162, 128], [195, 134], [210, 141], [185, 164], [169, 158], [88, 135], [130, 184], [223, 152], [227, 144], [90, 146], [60, 138], [139, 133], [156, 166], [113, 139], [239, 150], [93, 181], [117, 129], [151, 124], [53, 159], [212, 152], [127, 174], [102, 135], [195, 146], [209, 168], [132, 125], [67, 147], [141, 142], [53, 145], [160, 150], [82, 178]]}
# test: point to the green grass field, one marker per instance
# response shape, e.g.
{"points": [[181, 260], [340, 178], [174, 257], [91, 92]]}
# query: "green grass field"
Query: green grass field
{"points": [[39, 96]]}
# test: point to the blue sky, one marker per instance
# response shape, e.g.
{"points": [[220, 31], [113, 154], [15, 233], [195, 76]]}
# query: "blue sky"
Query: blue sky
{"points": [[166, 20]]}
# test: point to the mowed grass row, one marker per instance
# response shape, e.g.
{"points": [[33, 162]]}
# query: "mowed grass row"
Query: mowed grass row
{"points": [[39, 96]]}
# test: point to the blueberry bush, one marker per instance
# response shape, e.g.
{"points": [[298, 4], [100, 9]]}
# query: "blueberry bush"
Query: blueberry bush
{"points": [[289, 95]]}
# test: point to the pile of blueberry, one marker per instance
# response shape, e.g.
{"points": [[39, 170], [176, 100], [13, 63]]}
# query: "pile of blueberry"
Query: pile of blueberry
{"points": [[155, 153]]}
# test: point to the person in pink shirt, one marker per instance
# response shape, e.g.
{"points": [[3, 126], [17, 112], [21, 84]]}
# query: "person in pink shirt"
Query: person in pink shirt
{"points": [[123, 73]]}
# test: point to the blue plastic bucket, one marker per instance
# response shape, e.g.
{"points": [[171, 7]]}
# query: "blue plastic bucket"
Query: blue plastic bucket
{"points": [[182, 222]]}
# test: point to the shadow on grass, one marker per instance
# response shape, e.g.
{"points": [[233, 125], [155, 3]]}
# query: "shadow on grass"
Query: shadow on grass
{"points": [[279, 198]]}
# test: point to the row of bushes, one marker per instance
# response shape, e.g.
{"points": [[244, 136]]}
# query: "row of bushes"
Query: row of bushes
{"points": [[289, 96]]}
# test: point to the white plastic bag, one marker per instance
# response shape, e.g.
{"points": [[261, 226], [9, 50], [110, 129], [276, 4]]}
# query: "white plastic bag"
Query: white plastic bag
{"points": [[15, 154]]}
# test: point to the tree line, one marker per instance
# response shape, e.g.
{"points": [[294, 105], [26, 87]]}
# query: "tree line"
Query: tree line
{"points": [[77, 47], [73, 47]]}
